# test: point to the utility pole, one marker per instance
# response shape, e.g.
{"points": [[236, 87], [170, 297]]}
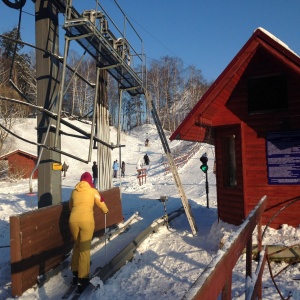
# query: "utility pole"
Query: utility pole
{"points": [[47, 67]]}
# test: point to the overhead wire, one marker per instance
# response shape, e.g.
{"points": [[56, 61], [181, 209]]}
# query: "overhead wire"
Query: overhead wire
{"points": [[51, 54], [14, 57], [149, 33], [38, 160], [54, 116]]}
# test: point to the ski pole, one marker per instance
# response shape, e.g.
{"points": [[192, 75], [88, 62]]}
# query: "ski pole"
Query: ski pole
{"points": [[105, 238]]}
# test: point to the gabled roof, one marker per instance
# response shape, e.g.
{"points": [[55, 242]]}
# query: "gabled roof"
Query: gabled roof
{"points": [[5, 156], [194, 126]]}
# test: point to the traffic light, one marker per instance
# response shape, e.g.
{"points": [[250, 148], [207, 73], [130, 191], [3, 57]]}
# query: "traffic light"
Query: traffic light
{"points": [[204, 166]]}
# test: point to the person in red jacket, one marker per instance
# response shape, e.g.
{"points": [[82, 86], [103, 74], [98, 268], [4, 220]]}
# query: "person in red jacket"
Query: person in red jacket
{"points": [[82, 226]]}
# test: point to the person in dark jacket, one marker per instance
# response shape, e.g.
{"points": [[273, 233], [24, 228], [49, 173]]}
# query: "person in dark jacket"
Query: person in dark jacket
{"points": [[123, 169], [95, 174], [146, 159]]}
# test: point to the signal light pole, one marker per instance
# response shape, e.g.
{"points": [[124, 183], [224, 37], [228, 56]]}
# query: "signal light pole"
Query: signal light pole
{"points": [[204, 168]]}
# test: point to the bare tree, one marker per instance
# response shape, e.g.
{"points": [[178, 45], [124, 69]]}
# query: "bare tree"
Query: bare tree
{"points": [[175, 89], [78, 95]]}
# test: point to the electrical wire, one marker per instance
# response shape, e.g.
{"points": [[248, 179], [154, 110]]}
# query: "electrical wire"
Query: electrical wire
{"points": [[39, 159], [54, 116], [59, 58]]}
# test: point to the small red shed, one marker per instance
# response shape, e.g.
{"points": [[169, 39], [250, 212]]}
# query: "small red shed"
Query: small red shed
{"points": [[251, 113], [20, 163]]}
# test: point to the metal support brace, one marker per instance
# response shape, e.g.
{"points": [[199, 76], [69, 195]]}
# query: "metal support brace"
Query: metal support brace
{"points": [[173, 167]]}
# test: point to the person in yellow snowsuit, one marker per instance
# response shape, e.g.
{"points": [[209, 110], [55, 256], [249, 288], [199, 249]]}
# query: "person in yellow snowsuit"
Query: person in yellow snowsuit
{"points": [[82, 226]]}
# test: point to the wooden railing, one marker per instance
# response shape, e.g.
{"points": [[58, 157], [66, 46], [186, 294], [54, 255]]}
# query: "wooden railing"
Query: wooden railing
{"points": [[216, 279], [142, 174], [180, 161]]}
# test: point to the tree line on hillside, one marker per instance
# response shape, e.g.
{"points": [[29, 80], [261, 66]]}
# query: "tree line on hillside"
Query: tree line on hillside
{"points": [[175, 89]]}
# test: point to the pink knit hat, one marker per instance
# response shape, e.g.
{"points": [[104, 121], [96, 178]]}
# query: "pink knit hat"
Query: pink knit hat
{"points": [[86, 176]]}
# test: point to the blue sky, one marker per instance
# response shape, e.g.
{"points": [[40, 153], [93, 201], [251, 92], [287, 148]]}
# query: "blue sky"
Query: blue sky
{"points": [[207, 34]]}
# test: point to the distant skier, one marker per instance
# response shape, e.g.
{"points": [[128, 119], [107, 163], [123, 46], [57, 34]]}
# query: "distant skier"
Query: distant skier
{"points": [[123, 169], [115, 168], [95, 174], [146, 159], [139, 166]]}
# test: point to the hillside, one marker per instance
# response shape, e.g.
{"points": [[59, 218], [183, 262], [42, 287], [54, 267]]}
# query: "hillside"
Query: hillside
{"points": [[168, 262]]}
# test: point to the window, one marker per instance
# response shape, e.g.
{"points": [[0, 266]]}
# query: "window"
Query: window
{"points": [[268, 93], [230, 162]]}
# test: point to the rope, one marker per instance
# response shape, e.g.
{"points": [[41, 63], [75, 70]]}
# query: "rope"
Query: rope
{"points": [[105, 238], [39, 159]]}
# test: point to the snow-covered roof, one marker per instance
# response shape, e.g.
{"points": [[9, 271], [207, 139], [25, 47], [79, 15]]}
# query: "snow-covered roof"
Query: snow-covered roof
{"points": [[16, 151]]}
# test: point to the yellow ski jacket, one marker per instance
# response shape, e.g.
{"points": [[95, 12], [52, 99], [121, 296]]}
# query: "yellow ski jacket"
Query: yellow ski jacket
{"points": [[82, 201]]}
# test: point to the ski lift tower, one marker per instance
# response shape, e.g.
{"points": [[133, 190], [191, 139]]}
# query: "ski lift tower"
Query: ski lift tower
{"points": [[47, 69], [91, 31]]}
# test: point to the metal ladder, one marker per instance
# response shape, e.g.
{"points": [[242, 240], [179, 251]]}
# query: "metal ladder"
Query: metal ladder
{"points": [[173, 167]]}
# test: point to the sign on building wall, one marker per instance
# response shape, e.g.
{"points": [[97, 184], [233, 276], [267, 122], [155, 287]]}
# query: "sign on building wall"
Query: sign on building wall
{"points": [[283, 157]]}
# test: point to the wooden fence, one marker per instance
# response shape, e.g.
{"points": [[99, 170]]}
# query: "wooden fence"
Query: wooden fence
{"points": [[40, 240], [142, 175], [180, 161], [216, 279]]}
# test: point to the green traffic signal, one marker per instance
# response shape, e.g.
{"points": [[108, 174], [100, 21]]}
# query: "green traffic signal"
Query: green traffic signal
{"points": [[204, 168]]}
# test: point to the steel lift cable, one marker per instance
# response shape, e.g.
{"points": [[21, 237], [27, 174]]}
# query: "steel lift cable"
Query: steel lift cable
{"points": [[119, 138], [62, 91], [54, 116], [38, 162], [93, 133], [59, 58], [51, 148]]}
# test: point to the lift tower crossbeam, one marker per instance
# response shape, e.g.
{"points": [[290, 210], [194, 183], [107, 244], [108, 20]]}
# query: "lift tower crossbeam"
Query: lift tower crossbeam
{"points": [[102, 45]]}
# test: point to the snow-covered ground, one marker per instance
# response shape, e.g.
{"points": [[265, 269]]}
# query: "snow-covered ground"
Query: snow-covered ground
{"points": [[167, 263]]}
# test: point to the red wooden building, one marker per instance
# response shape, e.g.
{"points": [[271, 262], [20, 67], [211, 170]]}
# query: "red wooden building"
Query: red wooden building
{"points": [[251, 113], [20, 163]]}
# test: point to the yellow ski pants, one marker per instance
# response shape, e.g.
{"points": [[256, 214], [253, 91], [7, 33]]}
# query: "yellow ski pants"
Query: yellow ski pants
{"points": [[82, 233]]}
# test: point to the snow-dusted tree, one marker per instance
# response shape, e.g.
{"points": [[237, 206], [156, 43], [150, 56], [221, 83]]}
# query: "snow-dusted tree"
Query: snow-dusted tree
{"points": [[175, 89], [16, 67]]}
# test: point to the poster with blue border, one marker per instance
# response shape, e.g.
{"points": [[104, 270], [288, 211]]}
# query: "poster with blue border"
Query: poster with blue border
{"points": [[283, 157]]}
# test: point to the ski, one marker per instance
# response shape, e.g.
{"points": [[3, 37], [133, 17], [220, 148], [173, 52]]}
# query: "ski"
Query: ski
{"points": [[69, 292], [90, 286]]}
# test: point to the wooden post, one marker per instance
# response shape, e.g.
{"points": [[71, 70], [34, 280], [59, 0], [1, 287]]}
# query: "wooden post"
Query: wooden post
{"points": [[141, 175], [226, 292], [15, 256]]}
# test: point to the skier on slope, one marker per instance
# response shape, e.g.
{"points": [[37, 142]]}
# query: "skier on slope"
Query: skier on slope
{"points": [[82, 226], [146, 159], [139, 166]]}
